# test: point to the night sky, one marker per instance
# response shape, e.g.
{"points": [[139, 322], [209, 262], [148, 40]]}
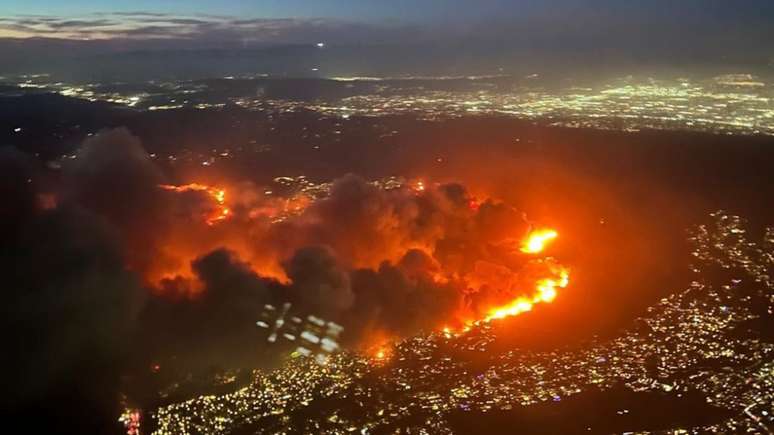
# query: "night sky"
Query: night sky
{"points": [[399, 37], [738, 22]]}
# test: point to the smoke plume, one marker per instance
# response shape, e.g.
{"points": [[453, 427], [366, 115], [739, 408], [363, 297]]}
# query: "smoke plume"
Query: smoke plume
{"points": [[111, 261]]}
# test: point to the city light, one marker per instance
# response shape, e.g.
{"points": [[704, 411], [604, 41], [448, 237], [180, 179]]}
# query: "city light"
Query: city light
{"points": [[424, 375]]}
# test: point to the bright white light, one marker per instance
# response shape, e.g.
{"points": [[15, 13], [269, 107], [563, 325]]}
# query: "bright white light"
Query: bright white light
{"points": [[320, 44]]}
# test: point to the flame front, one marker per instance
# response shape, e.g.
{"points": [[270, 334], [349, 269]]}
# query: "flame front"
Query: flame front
{"points": [[218, 196], [545, 288], [537, 241], [545, 291]]}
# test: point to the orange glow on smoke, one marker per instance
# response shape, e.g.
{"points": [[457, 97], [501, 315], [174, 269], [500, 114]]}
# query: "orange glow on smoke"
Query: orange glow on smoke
{"points": [[217, 194], [491, 289], [379, 346], [537, 240], [381, 353]]}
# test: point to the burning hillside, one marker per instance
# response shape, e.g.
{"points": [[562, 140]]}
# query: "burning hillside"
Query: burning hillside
{"points": [[384, 258], [416, 225]]}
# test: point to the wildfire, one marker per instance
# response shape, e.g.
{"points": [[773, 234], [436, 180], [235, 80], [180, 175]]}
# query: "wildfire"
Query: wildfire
{"points": [[545, 291], [537, 240], [218, 195], [545, 288], [379, 347], [381, 353], [512, 286]]}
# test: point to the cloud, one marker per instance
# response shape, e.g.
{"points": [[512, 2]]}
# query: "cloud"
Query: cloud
{"points": [[77, 24], [204, 29], [142, 14]]}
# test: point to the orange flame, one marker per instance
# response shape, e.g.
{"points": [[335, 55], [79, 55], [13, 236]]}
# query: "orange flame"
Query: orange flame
{"points": [[379, 347], [381, 353], [217, 194], [537, 240], [545, 291]]}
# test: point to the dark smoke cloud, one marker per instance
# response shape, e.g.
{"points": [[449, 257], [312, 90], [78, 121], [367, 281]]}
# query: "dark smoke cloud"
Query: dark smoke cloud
{"points": [[112, 176], [218, 328], [69, 309], [394, 261], [105, 269], [17, 188], [401, 299], [365, 225], [360, 250], [320, 285]]}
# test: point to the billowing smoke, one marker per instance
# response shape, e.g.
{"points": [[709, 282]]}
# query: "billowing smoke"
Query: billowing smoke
{"points": [[113, 177], [397, 300], [319, 284], [215, 329], [69, 307], [110, 254]]}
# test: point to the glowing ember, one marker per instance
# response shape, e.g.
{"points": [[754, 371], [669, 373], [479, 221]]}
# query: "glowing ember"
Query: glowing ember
{"points": [[537, 241], [382, 354], [448, 332], [418, 186], [218, 195]]}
